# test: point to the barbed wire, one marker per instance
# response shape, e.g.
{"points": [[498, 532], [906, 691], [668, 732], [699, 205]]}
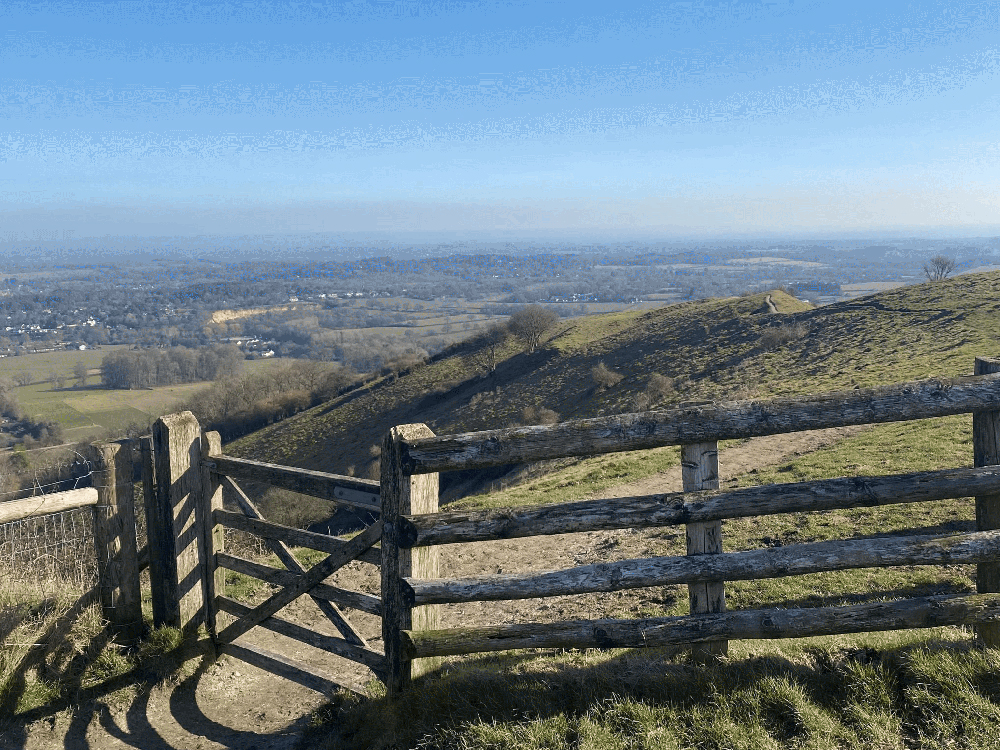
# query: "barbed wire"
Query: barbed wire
{"points": [[37, 488]]}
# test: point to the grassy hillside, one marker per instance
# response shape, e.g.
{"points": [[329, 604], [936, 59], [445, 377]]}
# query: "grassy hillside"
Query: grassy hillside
{"points": [[713, 349]]}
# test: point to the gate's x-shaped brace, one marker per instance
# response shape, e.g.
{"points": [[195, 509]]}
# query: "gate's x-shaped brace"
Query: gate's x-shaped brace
{"points": [[307, 580]]}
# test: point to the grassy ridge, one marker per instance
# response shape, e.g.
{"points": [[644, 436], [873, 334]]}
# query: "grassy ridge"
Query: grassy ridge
{"points": [[713, 349]]}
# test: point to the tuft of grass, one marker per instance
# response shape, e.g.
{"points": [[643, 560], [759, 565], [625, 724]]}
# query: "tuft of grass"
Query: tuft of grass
{"points": [[928, 690]]}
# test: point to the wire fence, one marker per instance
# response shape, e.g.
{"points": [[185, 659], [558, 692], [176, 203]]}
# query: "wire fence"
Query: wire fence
{"points": [[57, 547]]}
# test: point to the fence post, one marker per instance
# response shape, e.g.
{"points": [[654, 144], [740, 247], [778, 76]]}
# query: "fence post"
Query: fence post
{"points": [[115, 543], [158, 535], [177, 452], [214, 539], [986, 451], [700, 471], [404, 494]]}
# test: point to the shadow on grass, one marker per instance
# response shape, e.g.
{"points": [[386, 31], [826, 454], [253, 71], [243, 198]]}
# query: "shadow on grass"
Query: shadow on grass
{"points": [[493, 701]]}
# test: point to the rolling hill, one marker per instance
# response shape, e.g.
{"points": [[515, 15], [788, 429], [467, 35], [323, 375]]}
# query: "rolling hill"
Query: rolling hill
{"points": [[705, 350]]}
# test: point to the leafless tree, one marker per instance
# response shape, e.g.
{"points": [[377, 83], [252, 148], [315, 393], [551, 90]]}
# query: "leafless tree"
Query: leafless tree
{"points": [[938, 267], [80, 372], [530, 323], [488, 346]]}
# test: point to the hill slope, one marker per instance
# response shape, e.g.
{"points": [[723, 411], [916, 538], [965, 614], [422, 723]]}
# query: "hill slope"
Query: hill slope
{"points": [[712, 349]]}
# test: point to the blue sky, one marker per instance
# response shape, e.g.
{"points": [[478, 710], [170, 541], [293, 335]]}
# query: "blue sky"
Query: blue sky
{"points": [[628, 118]]}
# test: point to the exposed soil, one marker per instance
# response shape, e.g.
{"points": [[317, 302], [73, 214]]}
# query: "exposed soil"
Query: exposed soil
{"points": [[230, 704]]}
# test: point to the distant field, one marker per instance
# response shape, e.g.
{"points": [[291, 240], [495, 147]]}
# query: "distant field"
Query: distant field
{"points": [[61, 362], [92, 409]]}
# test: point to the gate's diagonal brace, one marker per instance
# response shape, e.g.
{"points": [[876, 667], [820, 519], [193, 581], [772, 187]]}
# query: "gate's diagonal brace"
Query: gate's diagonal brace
{"points": [[331, 610], [310, 578]]}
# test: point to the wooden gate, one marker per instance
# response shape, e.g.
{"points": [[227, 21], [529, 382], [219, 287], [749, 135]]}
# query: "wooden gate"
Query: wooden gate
{"points": [[188, 520]]}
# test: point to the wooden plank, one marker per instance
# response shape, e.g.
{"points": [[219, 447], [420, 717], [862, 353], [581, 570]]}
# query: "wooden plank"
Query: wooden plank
{"points": [[700, 471], [115, 542], [353, 599], [43, 505], [310, 578], [670, 508], [986, 450], [925, 612], [289, 535], [775, 562], [357, 493], [404, 494], [307, 676], [288, 560], [213, 536], [362, 655], [159, 536], [901, 402], [177, 451]]}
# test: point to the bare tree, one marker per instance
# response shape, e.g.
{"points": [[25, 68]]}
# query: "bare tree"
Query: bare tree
{"points": [[80, 372], [24, 377], [530, 323], [488, 346], [938, 267]]}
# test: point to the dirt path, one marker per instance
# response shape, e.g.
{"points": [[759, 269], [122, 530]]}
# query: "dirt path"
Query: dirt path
{"points": [[230, 704]]}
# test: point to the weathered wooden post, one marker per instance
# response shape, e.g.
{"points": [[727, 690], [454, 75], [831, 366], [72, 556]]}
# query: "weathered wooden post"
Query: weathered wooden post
{"points": [[179, 501], [700, 471], [158, 535], [214, 539], [114, 541], [986, 450], [404, 494]]}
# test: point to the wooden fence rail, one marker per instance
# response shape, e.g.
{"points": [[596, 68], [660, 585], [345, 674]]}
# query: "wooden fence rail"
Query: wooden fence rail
{"points": [[672, 508], [351, 491], [924, 612], [43, 505], [777, 562], [919, 399]]}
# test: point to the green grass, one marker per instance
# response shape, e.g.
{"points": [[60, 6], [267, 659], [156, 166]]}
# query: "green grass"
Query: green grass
{"points": [[91, 410], [926, 690], [59, 362]]}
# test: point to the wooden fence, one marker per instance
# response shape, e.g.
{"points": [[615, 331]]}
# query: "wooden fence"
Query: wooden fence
{"points": [[411, 460], [185, 473]]}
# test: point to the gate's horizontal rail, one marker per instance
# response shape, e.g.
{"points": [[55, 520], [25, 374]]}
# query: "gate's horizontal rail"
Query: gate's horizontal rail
{"points": [[289, 535], [309, 677], [357, 493], [353, 599], [925, 612], [679, 507], [775, 562], [43, 505], [900, 402], [371, 659]]}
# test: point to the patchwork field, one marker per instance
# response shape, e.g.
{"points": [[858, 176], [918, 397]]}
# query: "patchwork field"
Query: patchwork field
{"points": [[87, 411]]}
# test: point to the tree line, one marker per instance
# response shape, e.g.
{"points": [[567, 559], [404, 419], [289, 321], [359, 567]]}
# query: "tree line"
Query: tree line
{"points": [[149, 368]]}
